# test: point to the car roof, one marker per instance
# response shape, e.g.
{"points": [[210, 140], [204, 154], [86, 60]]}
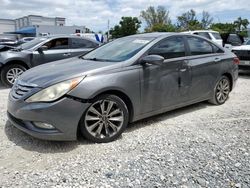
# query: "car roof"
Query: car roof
{"points": [[67, 36], [153, 35]]}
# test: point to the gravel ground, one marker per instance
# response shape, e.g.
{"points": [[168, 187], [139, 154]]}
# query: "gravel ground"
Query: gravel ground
{"points": [[197, 146]]}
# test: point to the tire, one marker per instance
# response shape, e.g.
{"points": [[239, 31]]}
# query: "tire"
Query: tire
{"points": [[221, 91], [10, 72], [105, 119]]}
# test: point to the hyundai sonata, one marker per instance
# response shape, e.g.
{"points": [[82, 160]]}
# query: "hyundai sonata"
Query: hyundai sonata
{"points": [[126, 80]]}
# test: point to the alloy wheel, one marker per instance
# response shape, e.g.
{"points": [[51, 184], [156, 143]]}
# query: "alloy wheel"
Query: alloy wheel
{"points": [[222, 90], [104, 119], [13, 74]]}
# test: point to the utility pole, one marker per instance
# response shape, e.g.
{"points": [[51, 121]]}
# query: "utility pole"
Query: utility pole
{"points": [[108, 32]]}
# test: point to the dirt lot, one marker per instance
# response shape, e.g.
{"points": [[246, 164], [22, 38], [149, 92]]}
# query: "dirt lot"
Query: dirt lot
{"points": [[197, 146]]}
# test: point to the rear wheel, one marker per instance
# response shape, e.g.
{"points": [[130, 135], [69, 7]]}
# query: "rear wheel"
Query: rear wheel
{"points": [[105, 119], [221, 91], [10, 73]]}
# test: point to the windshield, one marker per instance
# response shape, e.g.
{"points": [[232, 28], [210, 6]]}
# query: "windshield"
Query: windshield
{"points": [[119, 50], [216, 35], [32, 43]]}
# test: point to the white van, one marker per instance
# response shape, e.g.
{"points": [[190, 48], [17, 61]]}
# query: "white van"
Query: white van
{"points": [[209, 34]]}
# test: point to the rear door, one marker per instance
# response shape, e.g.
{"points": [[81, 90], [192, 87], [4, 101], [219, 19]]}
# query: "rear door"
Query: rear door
{"points": [[204, 62], [57, 49], [80, 46]]}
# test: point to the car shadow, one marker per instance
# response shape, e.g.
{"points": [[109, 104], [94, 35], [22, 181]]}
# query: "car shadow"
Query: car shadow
{"points": [[30, 143], [167, 115]]}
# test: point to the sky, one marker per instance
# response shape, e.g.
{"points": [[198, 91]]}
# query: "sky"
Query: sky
{"points": [[95, 14]]}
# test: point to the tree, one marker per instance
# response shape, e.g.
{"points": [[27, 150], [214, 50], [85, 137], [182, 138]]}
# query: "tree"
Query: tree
{"points": [[155, 17], [163, 28], [206, 20], [223, 27], [241, 24], [128, 26], [188, 21]]}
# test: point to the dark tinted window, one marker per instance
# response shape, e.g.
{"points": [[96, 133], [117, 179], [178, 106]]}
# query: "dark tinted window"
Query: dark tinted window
{"points": [[216, 49], [203, 34], [61, 43], [234, 40], [199, 46], [82, 43], [169, 48]]}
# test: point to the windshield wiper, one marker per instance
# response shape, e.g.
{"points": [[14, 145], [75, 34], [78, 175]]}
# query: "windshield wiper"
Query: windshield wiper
{"points": [[94, 59]]}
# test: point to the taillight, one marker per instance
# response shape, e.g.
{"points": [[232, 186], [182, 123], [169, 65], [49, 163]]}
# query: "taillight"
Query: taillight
{"points": [[236, 61]]}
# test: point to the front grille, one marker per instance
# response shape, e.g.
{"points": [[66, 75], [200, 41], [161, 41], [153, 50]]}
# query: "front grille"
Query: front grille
{"points": [[21, 89]]}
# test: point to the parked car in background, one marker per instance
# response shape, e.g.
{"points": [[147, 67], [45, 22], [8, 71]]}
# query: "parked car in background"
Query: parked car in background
{"points": [[243, 53], [231, 40], [120, 82], [8, 42], [209, 34], [94, 36], [39, 51]]}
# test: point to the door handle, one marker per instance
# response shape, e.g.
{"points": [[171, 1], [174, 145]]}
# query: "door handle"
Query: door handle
{"points": [[67, 54], [217, 59], [183, 70]]}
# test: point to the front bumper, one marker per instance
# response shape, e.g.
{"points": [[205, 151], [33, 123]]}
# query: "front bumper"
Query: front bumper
{"points": [[63, 114]]}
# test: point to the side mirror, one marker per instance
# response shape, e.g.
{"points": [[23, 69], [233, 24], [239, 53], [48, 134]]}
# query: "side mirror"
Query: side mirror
{"points": [[42, 48], [152, 59]]}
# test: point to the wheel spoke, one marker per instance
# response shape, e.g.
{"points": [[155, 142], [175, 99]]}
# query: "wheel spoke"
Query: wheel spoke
{"points": [[94, 111], [117, 111], [102, 106], [110, 105], [119, 118], [92, 127], [91, 118], [113, 126], [99, 130]]}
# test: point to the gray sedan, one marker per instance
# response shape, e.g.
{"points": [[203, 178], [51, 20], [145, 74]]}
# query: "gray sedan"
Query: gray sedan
{"points": [[39, 51], [126, 80]]}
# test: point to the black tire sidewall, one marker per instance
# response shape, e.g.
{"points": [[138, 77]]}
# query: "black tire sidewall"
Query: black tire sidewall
{"points": [[4, 71], [123, 107]]}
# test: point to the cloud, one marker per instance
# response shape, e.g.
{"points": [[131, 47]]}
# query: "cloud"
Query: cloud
{"points": [[95, 13]]}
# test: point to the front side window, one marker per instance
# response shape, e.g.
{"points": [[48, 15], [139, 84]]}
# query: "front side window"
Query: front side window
{"points": [[169, 48], [119, 49], [199, 46], [56, 44], [82, 43]]}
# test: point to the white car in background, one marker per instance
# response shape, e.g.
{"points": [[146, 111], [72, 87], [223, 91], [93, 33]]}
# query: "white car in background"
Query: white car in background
{"points": [[243, 53], [209, 34]]}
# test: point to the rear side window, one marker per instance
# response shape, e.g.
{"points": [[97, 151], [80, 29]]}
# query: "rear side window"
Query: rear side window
{"points": [[169, 48], [199, 46], [82, 43], [56, 44], [203, 34], [216, 49], [216, 36]]}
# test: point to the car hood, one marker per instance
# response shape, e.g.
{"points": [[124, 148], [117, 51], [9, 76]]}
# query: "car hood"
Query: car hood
{"points": [[52, 73], [242, 47]]}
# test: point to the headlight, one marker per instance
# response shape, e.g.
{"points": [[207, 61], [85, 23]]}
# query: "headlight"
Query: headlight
{"points": [[55, 91]]}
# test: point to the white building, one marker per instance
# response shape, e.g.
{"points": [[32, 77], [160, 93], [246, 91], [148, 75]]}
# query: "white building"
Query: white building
{"points": [[34, 25]]}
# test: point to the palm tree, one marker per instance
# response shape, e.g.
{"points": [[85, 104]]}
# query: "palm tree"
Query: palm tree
{"points": [[241, 23]]}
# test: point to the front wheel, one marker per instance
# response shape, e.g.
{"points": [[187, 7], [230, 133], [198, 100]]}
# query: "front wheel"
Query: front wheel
{"points": [[105, 119], [221, 91], [10, 73]]}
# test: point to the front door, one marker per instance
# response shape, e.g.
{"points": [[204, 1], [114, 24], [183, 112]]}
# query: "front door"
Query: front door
{"points": [[57, 49], [166, 85]]}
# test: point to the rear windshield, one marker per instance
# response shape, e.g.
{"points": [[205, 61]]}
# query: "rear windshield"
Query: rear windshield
{"points": [[216, 36]]}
